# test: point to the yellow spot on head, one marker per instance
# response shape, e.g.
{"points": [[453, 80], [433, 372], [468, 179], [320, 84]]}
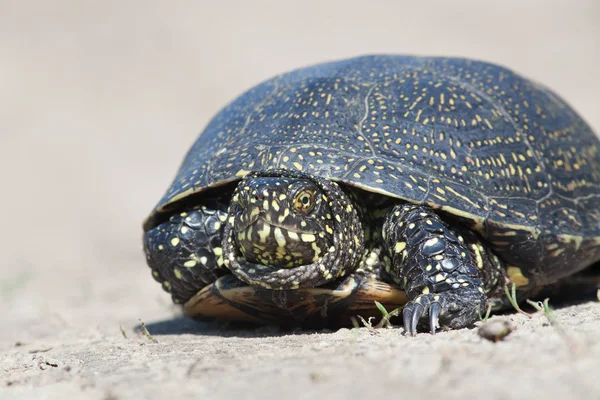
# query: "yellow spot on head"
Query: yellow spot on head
{"points": [[281, 242], [263, 233], [307, 237], [174, 241]]}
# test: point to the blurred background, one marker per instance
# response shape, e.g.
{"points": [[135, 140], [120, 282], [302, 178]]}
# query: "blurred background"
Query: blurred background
{"points": [[99, 100]]}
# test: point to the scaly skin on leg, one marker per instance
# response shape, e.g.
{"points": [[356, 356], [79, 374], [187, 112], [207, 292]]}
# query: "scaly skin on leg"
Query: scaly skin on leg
{"points": [[184, 252], [444, 274]]}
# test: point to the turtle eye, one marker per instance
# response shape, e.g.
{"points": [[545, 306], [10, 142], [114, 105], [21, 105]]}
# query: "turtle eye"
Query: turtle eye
{"points": [[304, 201]]}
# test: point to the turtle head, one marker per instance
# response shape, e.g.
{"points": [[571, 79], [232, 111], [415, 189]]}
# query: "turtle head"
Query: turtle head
{"points": [[287, 230], [282, 222]]}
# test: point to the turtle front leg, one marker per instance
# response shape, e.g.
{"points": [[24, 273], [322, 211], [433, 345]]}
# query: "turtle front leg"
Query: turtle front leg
{"points": [[442, 272], [184, 252]]}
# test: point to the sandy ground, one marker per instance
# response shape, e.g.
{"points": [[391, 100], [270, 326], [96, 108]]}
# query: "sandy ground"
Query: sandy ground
{"points": [[99, 101]]}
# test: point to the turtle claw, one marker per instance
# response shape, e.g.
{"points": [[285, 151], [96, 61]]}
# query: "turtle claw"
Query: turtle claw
{"points": [[411, 315], [407, 318], [453, 310], [434, 314], [415, 310]]}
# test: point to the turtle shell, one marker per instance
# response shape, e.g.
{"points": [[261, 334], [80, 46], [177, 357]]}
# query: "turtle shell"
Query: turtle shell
{"points": [[474, 140]]}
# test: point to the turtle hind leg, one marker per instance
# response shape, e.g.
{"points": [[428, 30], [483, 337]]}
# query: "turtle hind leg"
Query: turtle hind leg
{"points": [[445, 275], [184, 252]]}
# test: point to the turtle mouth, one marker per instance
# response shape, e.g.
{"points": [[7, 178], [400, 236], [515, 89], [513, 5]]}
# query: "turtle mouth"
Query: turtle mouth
{"points": [[273, 245], [244, 219], [248, 220]]}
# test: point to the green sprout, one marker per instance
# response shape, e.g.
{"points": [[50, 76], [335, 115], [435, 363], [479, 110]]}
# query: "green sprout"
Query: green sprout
{"points": [[385, 319], [145, 331], [123, 331], [487, 313], [512, 298], [544, 307]]}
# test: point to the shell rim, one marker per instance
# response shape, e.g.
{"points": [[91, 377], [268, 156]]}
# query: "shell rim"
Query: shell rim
{"points": [[478, 221]]}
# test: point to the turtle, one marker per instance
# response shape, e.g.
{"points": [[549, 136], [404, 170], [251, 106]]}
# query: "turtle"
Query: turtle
{"points": [[423, 184]]}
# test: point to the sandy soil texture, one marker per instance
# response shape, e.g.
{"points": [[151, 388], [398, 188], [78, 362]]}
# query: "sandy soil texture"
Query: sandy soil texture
{"points": [[98, 103]]}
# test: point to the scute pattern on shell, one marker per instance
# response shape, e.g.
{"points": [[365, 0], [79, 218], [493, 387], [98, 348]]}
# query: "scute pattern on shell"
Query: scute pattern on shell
{"points": [[471, 138]]}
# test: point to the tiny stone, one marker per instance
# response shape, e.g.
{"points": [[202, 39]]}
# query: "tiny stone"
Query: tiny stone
{"points": [[495, 330]]}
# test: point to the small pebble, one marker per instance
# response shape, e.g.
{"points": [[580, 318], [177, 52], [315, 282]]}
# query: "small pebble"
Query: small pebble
{"points": [[495, 330]]}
